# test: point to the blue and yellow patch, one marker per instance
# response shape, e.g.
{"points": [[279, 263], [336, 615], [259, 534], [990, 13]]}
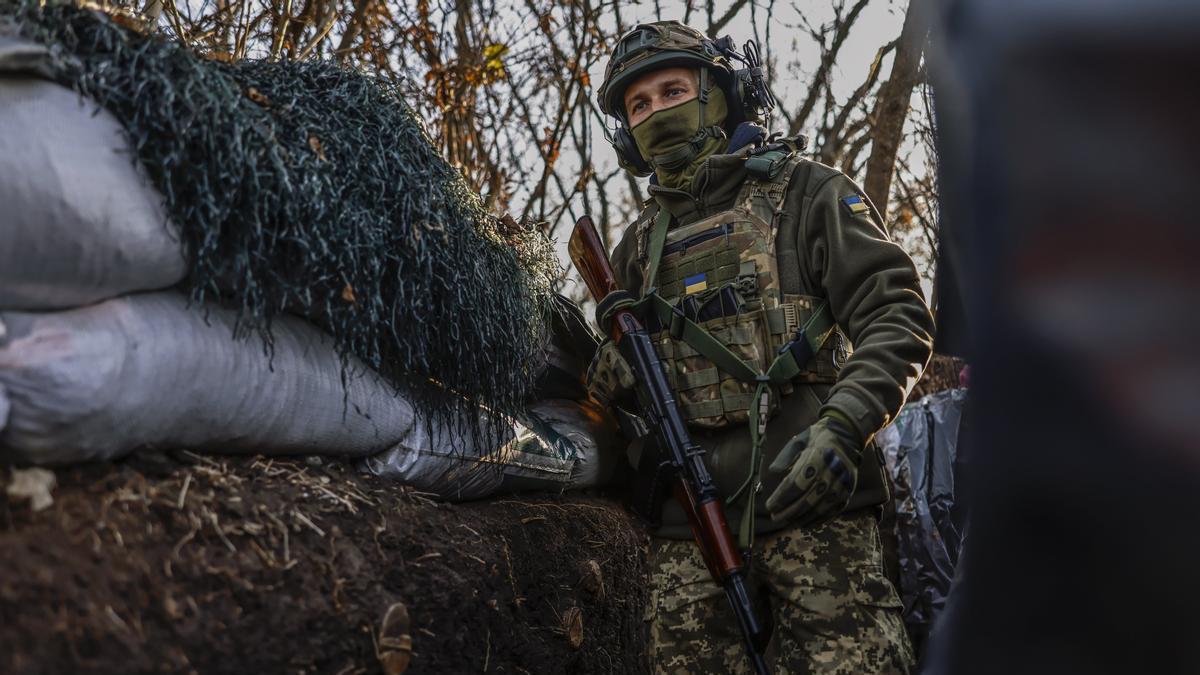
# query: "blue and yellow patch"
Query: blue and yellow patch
{"points": [[856, 204], [695, 283]]}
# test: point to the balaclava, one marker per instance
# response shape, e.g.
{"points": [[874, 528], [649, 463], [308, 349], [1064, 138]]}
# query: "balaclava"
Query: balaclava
{"points": [[676, 140]]}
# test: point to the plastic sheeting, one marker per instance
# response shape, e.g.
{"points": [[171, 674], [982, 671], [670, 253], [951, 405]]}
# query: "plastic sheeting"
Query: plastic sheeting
{"points": [[145, 370], [560, 445], [921, 450], [79, 222]]}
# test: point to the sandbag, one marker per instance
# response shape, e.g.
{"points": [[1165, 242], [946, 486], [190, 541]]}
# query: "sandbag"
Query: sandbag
{"points": [[309, 188], [148, 370], [923, 462], [558, 445], [79, 222]]}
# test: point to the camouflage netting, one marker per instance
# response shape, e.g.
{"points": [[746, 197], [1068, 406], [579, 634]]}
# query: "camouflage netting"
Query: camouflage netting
{"points": [[311, 188]]}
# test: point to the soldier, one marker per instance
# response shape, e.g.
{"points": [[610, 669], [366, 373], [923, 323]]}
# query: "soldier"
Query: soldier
{"points": [[741, 244]]}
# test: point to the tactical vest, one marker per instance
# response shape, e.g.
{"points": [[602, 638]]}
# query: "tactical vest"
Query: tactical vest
{"points": [[717, 280]]}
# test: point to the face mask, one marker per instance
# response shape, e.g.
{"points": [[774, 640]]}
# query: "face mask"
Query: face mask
{"points": [[670, 140]]}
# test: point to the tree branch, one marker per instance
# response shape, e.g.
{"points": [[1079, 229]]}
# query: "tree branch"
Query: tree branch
{"points": [[842, 26], [717, 26]]}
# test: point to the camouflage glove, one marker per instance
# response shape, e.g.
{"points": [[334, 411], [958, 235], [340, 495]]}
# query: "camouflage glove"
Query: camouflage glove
{"points": [[609, 377], [822, 469]]}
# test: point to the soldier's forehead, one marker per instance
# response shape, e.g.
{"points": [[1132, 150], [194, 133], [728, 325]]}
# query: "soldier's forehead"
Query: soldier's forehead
{"points": [[670, 75]]}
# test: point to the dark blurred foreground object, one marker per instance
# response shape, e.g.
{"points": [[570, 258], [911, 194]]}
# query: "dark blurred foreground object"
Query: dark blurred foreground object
{"points": [[1069, 140]]}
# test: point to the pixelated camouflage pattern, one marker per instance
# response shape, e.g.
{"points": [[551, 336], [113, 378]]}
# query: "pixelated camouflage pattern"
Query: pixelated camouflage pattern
{"points": [[834, 611]]}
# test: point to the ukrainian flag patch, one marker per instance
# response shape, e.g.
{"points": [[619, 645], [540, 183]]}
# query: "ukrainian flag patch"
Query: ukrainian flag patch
{"points": [[695, 283], [856, 204]]}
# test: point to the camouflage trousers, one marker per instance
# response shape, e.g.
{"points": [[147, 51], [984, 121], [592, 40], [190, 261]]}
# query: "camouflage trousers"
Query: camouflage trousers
{"points": [[833, 610]]}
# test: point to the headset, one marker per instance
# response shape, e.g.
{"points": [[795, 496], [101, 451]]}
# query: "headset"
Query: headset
{"points": [[747, 85], [750, 81]]}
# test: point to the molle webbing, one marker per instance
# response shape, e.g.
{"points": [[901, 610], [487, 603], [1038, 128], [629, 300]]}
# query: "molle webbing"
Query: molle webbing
{"points": [[720, 267]]}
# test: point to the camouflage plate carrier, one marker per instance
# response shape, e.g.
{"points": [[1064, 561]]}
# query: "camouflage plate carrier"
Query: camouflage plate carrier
{"points": [[731, 340]]}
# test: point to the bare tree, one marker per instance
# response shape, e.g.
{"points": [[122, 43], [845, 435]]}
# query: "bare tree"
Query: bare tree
{"points": [[504, 88], [892, 105]]}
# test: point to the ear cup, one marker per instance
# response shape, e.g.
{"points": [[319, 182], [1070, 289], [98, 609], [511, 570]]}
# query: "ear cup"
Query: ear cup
{"points": [[753, 94], [739, 109], [628, 153], [746, 96]]}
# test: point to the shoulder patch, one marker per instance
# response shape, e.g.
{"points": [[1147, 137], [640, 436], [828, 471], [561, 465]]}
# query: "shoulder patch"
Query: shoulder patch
{"points": [[856, 204]]}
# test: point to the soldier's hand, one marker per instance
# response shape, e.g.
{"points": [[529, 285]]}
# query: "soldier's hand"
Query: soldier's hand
{"points": [[822, 469], [609, 377]]}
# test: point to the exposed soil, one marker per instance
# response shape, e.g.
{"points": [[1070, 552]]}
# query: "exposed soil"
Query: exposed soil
{"points": [[181, 563]]}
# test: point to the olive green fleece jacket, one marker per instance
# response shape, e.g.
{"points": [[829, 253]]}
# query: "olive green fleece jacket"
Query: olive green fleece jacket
{"points": [[824, 250]]}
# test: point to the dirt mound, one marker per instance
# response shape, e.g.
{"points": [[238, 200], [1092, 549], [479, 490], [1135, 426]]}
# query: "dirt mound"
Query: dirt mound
{"points": [[177, 563]]}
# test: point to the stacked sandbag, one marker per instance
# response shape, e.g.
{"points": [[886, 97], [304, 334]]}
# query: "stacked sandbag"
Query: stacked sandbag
{"points": [[80, 224], [78, 221], [147, 370], [312, 189], [111, 372], [134, 314]]}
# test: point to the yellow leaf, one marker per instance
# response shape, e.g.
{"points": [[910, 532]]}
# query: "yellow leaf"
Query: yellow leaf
{"points": [[493, 58], [494, 52], [317, 147], [258, 97]]}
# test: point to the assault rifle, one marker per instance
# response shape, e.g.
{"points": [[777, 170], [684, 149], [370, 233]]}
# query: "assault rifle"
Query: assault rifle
{"points": [[681, 456]]}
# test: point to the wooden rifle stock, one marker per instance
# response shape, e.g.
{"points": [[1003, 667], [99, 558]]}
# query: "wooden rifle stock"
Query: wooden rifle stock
{"points": [[694, 488], [589, 256], [591, 259]]}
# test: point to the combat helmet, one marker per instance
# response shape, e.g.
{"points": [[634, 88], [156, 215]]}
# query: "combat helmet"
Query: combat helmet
{"points": [[665, 44]]}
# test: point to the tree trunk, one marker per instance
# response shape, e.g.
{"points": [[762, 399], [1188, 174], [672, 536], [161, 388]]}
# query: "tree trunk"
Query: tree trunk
{"points": [[891, 107]]}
